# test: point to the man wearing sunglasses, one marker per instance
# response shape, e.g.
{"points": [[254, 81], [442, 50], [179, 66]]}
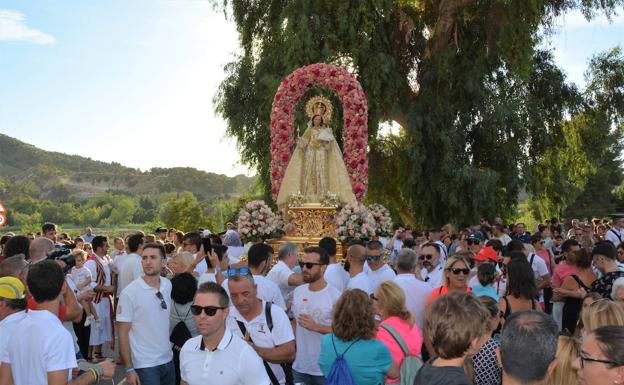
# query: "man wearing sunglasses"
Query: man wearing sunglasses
{"points": [[376, 269], [431, 270], [312, 308], [259, 259], [264, 326], [475, 241], [216, 356], [143, 317]]}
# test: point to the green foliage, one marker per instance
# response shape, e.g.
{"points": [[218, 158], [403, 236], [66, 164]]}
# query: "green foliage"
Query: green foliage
{"points": [[185, 213], [479, 104]]}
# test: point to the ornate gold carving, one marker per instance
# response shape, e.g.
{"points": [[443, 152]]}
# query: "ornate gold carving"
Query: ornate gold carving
{"points": [[314, 103], [312, 222]]}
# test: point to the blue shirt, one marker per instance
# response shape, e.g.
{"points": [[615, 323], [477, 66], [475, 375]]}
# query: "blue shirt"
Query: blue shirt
{"points": [[484, 291], [368, 360]]}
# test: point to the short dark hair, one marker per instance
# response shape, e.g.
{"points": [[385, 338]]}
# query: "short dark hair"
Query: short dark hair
{"points": [[18, 244], [486, 274], [528, 345], [329, 244], [611, 342], [258, 253], [158, 246], [323, 256], [434, 245], [606, 249], [169, 247], [374, 245], [48, 226], [45, 281], [567, 245], [496, 244], [135, 241], [98, 241], [194, 238], [214, 288], [183, 288], [14, 304], [515, 245], [521, 282]]}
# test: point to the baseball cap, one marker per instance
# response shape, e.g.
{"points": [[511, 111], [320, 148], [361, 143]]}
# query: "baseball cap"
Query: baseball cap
{"points": [[476, 235], [11, 288], [486, 253], [161, 230]]}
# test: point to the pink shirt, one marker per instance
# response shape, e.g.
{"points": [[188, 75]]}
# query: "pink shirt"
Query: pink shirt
{"points": [[411, 335], [545, 255], [562, 271]]}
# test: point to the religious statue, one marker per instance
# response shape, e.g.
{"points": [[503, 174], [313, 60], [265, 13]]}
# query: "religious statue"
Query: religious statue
{"points": [[316, 168]]}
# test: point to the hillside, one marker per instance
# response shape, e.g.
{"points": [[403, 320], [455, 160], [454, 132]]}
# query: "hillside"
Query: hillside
{"points": [[58, 176]]}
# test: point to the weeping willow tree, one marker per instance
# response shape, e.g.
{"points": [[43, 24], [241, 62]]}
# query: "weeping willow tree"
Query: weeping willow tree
{"points": [[478, 102]]}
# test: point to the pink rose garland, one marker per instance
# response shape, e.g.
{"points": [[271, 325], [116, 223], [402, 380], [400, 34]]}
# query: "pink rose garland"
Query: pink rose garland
{"points": [[355, 121]]}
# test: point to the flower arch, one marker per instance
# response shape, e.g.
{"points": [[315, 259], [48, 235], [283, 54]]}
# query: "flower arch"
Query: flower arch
{"points": [[355, 121]]}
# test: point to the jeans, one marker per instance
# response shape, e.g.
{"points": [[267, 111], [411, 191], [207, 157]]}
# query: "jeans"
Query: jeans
{"points": [[158, 375], [307, 379]]}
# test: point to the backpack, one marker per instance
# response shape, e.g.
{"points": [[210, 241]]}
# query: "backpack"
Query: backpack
{"points": [[180, 333], [339, 373], [410, 366]]}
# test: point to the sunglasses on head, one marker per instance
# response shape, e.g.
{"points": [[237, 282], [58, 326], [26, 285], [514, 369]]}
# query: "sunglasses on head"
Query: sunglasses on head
{"points": [[473, 241], [457, 271], [373, 257], [372, 296], [233, 271], [163, 304], [310, 265], [428, 257], [209, 310]]}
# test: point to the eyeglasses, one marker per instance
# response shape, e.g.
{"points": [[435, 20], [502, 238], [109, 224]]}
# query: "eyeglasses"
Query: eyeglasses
{"points": [[209, 310], [457, 271], [373, 257], [310, 265], [372, 296], [163, 304], [428, 257], [187, 244], [473, 241], [583, 359], [233, 271]]}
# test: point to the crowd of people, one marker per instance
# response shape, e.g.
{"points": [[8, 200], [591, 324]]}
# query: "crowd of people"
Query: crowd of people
{"points": [[490, 304]]}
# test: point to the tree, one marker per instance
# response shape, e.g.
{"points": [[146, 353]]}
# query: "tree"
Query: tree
{"points": [[185, 213], [478, 102]]}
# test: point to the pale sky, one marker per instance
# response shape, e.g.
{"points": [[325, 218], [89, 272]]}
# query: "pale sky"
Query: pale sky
{"points": [[133, 81]]}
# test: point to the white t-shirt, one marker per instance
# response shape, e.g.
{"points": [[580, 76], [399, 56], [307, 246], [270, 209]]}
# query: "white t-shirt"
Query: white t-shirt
{"points": [[416, 294], [360, 281], [433, 278], [505, 239], [6, 331], [80, 275], [336, 275], [119, 261], [267, 291], [319, 306], [202, 266], [131, 270], [149, 332], [612, 235], [379, 276], [279, 275], [40, 344], [259, 331], [539, 270], [206, 277], [233, 362]]}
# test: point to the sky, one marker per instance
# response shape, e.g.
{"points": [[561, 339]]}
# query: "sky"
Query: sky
{"points": [[133, 81]]}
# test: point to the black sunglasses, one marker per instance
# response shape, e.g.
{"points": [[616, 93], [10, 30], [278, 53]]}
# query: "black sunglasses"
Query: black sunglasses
{"points": [[310, 265], [422, 257], [582, 358], [209, 310], [163, 304], [373, 257], [473, 241], [458, 271]]}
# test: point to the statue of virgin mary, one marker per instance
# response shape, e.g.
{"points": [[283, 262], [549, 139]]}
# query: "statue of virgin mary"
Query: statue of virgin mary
{"points": [[316, 167]]}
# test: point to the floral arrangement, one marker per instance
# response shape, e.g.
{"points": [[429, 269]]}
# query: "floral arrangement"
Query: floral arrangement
{"points": [[257, 222], [354, 222], [330, 200], [296, 200], [355, 121], [383, 220]]}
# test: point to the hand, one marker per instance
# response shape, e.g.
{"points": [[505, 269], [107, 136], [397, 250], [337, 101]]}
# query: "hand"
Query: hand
{"points": [[108, 368], [86, 296], [132, 378], [307, 322], [213, 258]]}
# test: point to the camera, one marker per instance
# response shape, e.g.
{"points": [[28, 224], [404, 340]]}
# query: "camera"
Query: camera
{"points": [[63, 254]]}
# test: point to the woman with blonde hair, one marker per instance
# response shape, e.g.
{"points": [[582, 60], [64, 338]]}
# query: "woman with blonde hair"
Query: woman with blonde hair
{"points": [[181, 262], [603, 312], [397, 323], [353, 338], [567, 353]]}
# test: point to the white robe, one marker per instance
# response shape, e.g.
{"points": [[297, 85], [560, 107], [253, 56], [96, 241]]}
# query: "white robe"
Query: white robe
{"points": [[105, 332]]}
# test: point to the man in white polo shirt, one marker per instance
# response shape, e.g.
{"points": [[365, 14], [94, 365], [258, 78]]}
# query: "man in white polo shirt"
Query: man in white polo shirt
{"points": [[217, 356], [143, 317], [264, 325], [416, 291]]}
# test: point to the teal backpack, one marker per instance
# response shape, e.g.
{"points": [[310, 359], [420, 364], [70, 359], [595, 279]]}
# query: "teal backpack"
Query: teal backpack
{"points": [[410, 366]]}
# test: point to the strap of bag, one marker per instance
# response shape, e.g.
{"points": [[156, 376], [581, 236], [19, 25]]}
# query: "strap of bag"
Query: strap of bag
{"points": [[616, 234], [268, 315], [287, 368], [346, 350], [267, 367], [397, 337]]}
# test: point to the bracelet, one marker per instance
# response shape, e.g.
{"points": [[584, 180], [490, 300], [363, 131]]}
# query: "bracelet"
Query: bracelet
{"points": [[99, 370], [95, 374], [129, 370]]}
